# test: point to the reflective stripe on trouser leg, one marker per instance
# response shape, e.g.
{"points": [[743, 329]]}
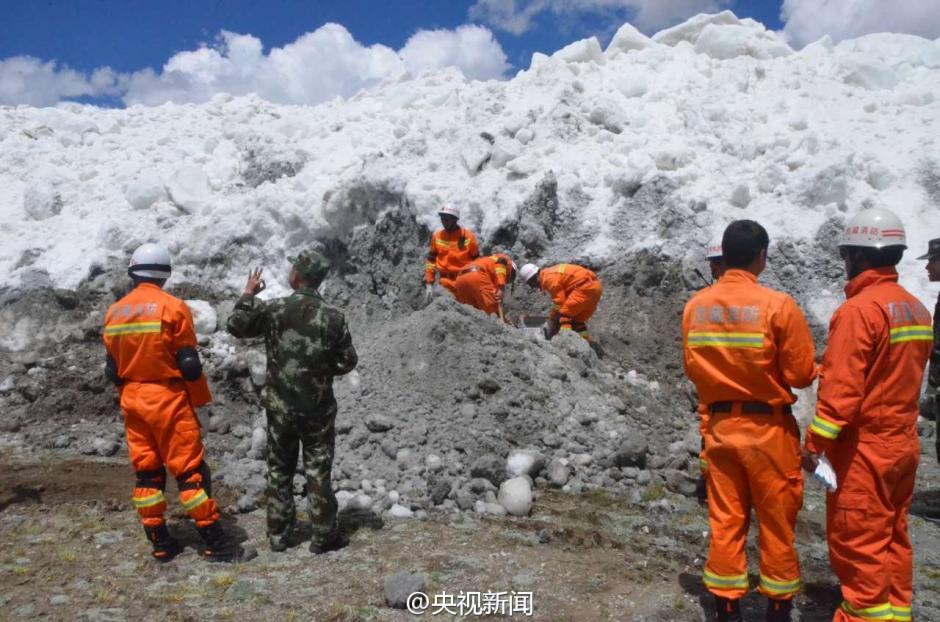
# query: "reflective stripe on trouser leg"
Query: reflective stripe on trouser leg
{"points": [[867, 532], [776, 485], [729, 501], [195, 499], [901, 612], [780, 590], [150, 504], [875, 612], [200, 506], [581, 329]]}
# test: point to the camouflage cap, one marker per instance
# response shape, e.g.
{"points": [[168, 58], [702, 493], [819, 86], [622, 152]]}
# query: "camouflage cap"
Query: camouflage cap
{"points": [[311, 265], [933, 249]]}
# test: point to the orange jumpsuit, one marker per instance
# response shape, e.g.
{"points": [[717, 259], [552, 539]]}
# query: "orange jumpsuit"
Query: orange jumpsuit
{"points": [[866, 423], [478, 283], [575, 292], [745, 346], [449, 253], [143, 331]]}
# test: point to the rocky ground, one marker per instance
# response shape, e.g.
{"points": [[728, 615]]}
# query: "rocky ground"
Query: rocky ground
{"points": [[71, 549]]}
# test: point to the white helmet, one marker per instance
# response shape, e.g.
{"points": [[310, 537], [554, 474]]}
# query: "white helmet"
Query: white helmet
{"points": [[874, 228], [150, 260], [528, 271], [713, 250], [449, 210]]}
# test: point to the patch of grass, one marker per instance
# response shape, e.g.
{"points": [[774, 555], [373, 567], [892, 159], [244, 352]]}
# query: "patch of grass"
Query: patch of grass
{"points": [[602, 497], [66, 554], [222, 581], [343, 613], [654, 492], [931, 573], [104, 595], [22, 571], [187, 591]]}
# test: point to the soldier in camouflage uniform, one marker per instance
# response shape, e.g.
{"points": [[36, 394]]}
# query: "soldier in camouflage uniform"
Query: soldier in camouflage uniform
{"points": [[930, 405], [307, 343]]}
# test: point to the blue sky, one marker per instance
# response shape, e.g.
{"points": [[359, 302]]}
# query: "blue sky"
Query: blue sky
{"points": [[126, 52], [129, 35]]}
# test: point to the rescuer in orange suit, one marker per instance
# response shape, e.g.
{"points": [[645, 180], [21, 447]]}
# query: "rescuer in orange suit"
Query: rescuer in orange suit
{"points": [[481, 283], [152, 358], [866, 421], [745, 346], [452, 248], [575, 292]]}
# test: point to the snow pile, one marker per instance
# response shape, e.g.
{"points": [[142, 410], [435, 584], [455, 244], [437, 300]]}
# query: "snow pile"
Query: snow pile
{"points": [[735, 121]]}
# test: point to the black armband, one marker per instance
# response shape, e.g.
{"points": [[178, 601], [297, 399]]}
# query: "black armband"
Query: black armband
{"points": [[187, 359]]}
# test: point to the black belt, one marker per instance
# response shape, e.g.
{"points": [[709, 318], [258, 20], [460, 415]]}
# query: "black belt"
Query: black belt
{"points": [[747, 408]]}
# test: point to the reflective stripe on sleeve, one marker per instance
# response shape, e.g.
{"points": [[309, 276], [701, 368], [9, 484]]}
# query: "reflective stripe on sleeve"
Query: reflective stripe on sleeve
{"points": [[698, 339], [132, 328], [903, 334], [825, 428]]}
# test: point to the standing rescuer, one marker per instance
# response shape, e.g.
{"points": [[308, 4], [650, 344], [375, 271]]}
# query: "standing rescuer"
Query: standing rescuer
{"points": [[866, 421], [745, 347], [575, 292], [931, 408], [307, 344], [481, 283], [452, 248], [152, 358]]}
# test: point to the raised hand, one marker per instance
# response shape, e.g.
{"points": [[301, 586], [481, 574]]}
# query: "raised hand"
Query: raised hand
{"points": [[255, 283]]}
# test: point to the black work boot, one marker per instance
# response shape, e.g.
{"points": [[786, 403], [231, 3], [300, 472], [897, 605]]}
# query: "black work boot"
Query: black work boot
{"points": [[282, 541], [165, 546], [220, 547], [727, 610], [778, 610], [338, 541]]}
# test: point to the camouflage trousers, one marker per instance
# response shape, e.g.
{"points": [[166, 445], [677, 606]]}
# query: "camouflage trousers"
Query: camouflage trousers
{"points": [[316, 432]]}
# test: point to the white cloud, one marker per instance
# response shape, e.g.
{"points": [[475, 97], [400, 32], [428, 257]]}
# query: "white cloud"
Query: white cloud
{"points": [[316, 67], [808, 20], [472, 48], [517, 16], [29, 80]]}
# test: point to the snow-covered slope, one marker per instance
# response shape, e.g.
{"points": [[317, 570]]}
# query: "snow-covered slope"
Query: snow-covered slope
{"points": [[742, 125]]}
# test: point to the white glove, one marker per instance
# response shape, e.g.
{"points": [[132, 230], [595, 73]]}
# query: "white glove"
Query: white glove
{"points": [[826, 474], [428, 292]]}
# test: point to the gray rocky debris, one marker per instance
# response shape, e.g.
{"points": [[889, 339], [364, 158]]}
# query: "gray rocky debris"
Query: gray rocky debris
{"points": [[401, 585]]}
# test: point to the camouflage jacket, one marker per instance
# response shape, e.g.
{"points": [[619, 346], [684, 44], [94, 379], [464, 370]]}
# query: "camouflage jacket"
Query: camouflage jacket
{"points": [[307, 343]]}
